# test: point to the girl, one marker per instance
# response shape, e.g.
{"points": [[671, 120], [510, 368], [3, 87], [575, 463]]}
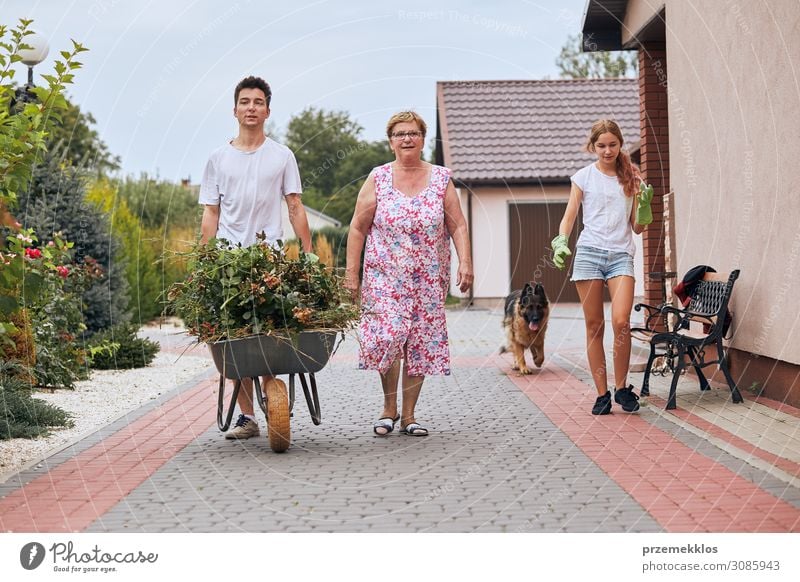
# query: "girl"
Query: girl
{"points": [[604, 254]]}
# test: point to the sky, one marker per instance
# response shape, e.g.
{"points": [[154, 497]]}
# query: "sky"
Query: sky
{"points": [[159, 75]]}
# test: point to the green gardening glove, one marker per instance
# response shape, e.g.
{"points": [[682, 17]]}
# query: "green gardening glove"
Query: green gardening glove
{"points": [[560, 250], [644, 214]]}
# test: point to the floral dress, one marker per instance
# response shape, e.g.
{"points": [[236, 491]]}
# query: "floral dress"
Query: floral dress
{"points": [[406, 277]]}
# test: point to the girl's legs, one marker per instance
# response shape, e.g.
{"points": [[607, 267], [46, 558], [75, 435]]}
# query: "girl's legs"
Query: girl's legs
{"points": [[621, 291], [591, 295]]}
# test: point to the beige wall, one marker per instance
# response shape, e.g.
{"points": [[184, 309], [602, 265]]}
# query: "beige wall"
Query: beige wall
{"points": [[734, 110], [490, 236]]}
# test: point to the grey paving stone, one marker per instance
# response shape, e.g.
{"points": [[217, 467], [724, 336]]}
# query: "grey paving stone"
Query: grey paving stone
{"points": [[491, 463]]}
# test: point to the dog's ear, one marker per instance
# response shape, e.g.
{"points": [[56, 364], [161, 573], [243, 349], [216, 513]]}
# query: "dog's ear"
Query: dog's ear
{"points": [[527, 289], [539, 290]]}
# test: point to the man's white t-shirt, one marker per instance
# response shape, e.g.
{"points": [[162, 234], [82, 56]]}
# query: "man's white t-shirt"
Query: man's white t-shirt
{"points": [[606, 212], [249, 188]]}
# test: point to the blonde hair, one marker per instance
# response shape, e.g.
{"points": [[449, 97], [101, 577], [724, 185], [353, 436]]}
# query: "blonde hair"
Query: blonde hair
{"points": [[624, 167], [402, 116]]}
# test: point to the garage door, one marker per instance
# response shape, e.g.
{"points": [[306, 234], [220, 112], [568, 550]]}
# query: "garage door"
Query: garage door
{"points": [[532, 226]]}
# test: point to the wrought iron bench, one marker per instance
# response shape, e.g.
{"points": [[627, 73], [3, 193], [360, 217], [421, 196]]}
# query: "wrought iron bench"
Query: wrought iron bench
{"points": [[682, 340]]}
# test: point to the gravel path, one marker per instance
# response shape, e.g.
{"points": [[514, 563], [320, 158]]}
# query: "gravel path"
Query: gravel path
{"points": [[108, 395]]}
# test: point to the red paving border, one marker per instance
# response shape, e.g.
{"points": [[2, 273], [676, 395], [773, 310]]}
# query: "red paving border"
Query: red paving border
{"points": [[777, 405], [782, 463], [74, 494], [683, 490]]}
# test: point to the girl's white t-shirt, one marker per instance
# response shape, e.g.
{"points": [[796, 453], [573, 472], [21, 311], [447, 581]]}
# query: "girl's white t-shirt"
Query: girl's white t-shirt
{"points": [[606, 212], [249, 188]]}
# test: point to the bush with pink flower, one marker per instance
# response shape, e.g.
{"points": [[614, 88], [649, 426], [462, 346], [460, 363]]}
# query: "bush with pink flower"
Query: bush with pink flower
{"points": [[44, 281]]}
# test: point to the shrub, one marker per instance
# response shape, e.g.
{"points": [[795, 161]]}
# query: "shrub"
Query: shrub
{"points": [[336, 237], [330, 244], [121, 349], [58, 326], [324, 251], [172, 247], [159, 204], [20, 347], [49, 286], [136, 253], [21, 415], [55, 202]]}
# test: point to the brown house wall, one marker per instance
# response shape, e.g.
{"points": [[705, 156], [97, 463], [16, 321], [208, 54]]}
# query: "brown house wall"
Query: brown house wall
{"points": [[654, 152]]}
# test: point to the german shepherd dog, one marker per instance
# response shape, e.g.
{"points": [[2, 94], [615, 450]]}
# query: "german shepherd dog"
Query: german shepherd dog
{"points": [[525, 322]]}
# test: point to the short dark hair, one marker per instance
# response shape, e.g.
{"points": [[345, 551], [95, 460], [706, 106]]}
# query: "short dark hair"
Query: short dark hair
{"points": [[252, 82]]}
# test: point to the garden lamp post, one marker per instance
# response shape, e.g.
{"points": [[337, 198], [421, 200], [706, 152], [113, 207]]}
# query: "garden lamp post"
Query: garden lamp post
{"points": [[31, 57]]}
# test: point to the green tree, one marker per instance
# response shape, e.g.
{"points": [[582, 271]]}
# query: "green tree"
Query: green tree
{"points": [[170, 219], [23, 133], [56, 202], [350, 175], [24, 130], [80, 143], [321, 140], [160, 204], [575, 64], [333, 159]]}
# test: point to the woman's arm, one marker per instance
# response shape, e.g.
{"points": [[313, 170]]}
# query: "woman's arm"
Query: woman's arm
{"points": [[363, 216], [457, 227]]}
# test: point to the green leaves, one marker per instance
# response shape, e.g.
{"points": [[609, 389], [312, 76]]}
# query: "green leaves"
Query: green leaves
{"points": [[23, 131], [237, 291], [573, 63]]}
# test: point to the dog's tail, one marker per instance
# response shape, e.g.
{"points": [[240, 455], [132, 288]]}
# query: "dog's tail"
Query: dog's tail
{"points": [[503, 349]]}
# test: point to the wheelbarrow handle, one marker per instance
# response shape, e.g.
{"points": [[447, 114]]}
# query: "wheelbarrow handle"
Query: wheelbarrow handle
{"points": [[224, 426]]}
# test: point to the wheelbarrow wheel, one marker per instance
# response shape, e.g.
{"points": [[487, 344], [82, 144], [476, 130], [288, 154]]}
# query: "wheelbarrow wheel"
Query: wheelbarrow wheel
{"points": [[278, 428]]}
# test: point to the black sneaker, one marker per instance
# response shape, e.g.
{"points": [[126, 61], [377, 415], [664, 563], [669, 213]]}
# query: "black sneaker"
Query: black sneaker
{"points": [[603, 404], [627, 399]]}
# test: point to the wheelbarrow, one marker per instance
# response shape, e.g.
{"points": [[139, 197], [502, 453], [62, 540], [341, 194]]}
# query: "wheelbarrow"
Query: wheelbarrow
{"points": [[302, 354]]}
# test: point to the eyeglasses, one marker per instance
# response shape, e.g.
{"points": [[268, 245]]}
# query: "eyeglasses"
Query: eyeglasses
{"points": [[401, 135]]}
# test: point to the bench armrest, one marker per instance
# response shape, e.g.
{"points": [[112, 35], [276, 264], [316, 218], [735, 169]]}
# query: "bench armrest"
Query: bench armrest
{"points": [[652, 317], [684, 317], [650, 308], [685, 314]]}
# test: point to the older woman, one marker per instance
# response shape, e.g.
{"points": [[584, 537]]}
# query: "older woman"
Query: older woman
{"points": [[407, 211]]}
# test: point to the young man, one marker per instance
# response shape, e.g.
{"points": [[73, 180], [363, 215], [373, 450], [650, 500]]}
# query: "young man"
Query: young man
{"points": [[243, 184]]}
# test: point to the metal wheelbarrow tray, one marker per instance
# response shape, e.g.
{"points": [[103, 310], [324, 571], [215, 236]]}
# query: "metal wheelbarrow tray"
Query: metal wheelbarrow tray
{"points": [[301, 354]]}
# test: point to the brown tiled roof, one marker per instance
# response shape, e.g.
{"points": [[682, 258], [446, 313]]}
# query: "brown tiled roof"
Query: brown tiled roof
{"points": [[496, 131]]}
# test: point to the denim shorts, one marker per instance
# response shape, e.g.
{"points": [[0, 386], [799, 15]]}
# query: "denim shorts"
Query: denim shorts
{"points": [[592, 263]]}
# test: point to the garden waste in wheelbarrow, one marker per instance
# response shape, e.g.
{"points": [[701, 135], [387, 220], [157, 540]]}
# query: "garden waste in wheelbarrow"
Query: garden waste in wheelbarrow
{"points": [[301, 354]]}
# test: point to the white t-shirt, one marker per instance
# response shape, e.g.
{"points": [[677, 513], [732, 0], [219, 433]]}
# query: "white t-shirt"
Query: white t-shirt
{"points": [[249, 188], [606, 212]]}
